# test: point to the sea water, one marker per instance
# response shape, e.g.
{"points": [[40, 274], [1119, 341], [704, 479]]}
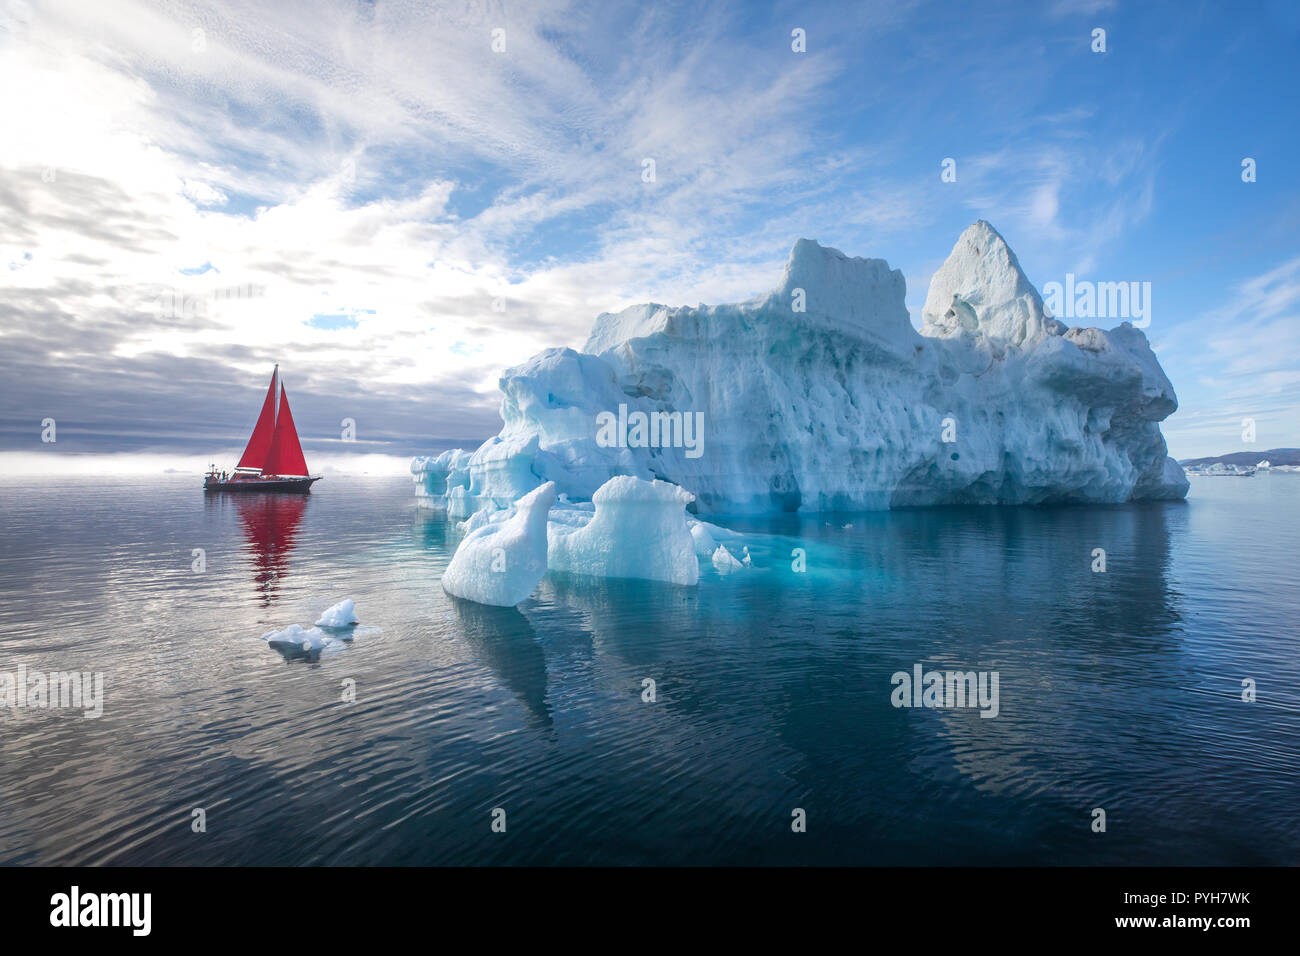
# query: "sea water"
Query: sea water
{"points": [[749, 720]]}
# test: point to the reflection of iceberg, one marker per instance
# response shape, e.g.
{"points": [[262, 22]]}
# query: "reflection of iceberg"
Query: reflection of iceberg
{"points": [[270, 528], [822, 396], [1105, 635], [503, 640]]}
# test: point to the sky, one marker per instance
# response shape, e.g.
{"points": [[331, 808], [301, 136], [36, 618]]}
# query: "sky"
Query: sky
{"points": [[397, 200]]}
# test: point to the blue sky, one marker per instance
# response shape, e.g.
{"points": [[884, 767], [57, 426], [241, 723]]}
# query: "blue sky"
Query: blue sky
{"points": [[348, 188]]}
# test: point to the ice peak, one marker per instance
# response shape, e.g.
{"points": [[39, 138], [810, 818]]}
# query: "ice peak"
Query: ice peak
{"points": [[981, 289], [813, 264], [850, 292]]}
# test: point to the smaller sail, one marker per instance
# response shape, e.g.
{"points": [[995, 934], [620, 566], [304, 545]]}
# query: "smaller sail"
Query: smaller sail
{"points": [[285, 455], [260, 443]]}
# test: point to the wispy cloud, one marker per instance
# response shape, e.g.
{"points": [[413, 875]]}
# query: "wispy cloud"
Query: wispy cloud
{"points": [[1242, 353]]}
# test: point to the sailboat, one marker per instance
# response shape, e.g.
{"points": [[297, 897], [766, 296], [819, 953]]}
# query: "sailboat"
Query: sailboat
{"points": [[273, 459]]}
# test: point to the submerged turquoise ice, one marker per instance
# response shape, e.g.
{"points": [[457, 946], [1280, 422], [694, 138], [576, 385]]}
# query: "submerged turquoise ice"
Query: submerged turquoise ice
{"points": [[1119, 690]]}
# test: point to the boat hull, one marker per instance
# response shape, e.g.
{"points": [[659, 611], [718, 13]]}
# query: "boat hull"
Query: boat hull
{"points": [[283, 486]]}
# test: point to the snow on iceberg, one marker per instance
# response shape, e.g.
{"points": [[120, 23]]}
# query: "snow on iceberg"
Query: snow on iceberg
{"points": [[501, 562], [821, 396], [639, 530], [343, 614]]}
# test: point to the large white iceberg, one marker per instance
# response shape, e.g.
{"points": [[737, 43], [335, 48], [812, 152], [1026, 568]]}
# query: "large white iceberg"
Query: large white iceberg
{"points": [[822, 396], [501, 562], [639, 530]]}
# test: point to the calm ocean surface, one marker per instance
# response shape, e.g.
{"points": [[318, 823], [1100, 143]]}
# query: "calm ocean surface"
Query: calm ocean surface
{"points": [[1119, 690]]}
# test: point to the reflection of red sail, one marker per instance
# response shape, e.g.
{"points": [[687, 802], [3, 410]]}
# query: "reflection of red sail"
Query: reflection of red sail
{"points": [[260, 442], [285, 456], [270, 527]]}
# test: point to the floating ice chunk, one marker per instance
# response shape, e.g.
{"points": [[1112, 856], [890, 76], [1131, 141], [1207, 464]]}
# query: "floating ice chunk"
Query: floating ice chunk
{"points": [[704, 543], [501, 562], [296, 641], [639, 531], [725, 561], [716, 531], [343, 614], [747, 561]]}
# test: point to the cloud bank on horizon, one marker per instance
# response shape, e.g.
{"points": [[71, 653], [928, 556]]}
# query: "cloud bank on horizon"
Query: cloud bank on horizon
{"points": [[397, 200]]}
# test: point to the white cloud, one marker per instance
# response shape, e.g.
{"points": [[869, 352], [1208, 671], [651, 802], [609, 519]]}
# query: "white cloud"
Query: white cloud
{"points": [[157, 133]]}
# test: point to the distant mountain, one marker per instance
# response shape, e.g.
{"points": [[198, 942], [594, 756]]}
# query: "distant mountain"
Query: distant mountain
{"points": [[1274, 456]]}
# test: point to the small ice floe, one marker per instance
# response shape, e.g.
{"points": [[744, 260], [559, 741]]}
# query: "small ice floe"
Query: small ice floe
{"points": [[343, 614], [725, 561], [747, 561], [296, 641]]}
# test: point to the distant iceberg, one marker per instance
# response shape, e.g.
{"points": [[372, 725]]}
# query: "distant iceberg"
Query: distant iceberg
{"points": [[821, 396], [1222, 469]]}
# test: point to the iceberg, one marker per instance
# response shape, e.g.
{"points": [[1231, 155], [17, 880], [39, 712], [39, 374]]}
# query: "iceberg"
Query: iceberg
{"points": [[437, 475], [1221, 468], [725, 561], [704, 543], [500, 562], [343, 614], [639, 530], [822, 396]]}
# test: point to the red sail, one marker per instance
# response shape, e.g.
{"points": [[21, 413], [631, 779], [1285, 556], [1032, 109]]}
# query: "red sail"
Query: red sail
{"points": [[285, 456], [260, 443]]}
